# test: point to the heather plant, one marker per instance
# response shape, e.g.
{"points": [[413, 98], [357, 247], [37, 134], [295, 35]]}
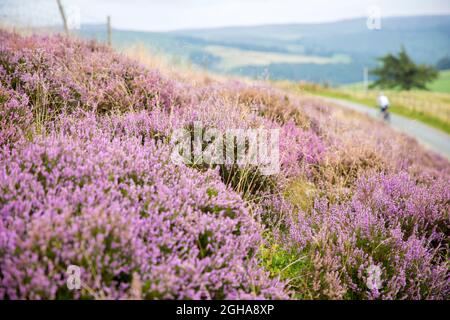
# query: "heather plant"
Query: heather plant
{"points": [[86, 179], [301, 150], [15, 116], [59, 75], [390, 223], [268, 102], [242, 169], [114, 207]]}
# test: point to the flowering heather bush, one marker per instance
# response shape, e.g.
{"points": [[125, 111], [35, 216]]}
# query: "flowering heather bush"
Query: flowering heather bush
{"points": [[86, 179], [300, 149], [272, 104], [59, 75], [116, 207], [15, 116], [391, 223]]}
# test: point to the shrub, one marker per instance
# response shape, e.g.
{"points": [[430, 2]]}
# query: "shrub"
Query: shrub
{"points": [[92, 184], [15, 116], [114, 207], [390, 223]]}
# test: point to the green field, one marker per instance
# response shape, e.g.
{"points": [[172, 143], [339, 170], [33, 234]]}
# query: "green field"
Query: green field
{"points": [[232, 58], [442, 84]]}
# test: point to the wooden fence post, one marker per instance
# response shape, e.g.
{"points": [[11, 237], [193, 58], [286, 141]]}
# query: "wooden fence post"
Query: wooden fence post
{"points": [[109, 30], [63, 16]]}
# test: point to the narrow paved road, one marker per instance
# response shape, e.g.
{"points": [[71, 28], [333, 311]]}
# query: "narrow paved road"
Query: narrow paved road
{"points": [[429, 137]]}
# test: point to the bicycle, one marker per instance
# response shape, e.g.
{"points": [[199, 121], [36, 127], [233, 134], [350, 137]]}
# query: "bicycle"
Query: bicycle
{"points": [[385, 115]]}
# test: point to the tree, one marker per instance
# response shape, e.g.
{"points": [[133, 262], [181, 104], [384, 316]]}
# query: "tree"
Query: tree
{"points": [[400, 71]]}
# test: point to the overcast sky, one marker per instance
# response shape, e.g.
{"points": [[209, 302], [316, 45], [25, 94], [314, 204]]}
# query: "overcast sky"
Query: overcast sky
{"points": [[159, 15]]}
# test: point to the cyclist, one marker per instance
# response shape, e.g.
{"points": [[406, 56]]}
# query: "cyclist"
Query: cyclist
{"points": [[383, 103]]}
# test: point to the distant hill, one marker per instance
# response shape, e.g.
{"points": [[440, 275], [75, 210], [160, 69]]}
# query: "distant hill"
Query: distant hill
{"points": [[331, 52]]}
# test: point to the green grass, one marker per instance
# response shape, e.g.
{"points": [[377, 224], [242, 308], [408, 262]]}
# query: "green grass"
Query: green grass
{"points": [[289, 266], [442, 84]]}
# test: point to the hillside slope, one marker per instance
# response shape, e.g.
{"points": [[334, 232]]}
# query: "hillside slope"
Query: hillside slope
{"points": [[88, 179]]}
